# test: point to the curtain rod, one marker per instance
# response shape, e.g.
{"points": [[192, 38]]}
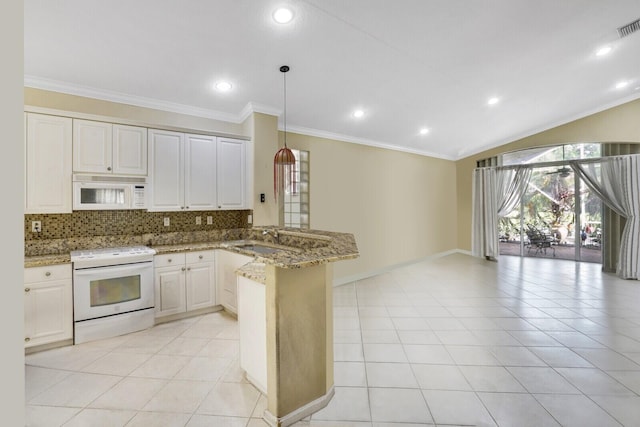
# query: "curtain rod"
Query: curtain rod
{"points": [[558, 162]]}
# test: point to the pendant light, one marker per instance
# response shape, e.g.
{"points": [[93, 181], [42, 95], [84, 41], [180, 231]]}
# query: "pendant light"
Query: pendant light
{"points": [[284, 162]]}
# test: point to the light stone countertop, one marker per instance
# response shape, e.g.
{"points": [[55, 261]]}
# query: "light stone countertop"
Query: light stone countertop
{"points": [[307, 248], [253, 271]]}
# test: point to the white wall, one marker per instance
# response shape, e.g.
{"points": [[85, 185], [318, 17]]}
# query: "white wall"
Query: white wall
{"points": [[12, 398]]}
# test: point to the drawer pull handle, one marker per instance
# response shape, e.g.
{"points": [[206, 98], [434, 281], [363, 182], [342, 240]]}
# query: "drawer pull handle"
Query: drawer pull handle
{"points": [[48, 273], [169, 260], [200, 257], [27, 339], [27, 289], [183, 269]]}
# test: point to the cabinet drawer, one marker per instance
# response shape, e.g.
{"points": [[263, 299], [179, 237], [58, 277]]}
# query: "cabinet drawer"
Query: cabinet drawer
{"points": [[200, 256], [46, 273], [168, 260]]}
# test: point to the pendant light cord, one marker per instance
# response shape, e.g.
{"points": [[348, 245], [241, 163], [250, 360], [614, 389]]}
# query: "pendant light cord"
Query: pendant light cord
{"points": [[284, 70]]}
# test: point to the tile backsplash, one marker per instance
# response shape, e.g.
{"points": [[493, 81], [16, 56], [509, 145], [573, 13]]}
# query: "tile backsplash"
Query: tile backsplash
{"points": [[118, 224]]}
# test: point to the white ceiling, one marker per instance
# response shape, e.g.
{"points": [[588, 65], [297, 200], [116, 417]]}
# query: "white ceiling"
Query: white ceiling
{"points": [[407, 63]]}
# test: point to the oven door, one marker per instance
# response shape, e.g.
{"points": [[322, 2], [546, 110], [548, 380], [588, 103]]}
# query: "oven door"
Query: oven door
{"points": [[105, 291]]}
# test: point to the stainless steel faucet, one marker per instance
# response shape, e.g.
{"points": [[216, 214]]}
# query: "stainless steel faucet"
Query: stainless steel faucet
{"points": [[273, 233]]}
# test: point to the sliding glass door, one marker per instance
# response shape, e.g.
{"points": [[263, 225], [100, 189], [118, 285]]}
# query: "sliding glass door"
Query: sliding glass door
{"points": [[558, 217]]}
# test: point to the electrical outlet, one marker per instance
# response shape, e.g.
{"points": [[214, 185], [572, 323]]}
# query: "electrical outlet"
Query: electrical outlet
{"points": [[198, 220], [166, 221], [36, 226], [250, 219], [209, 220]]}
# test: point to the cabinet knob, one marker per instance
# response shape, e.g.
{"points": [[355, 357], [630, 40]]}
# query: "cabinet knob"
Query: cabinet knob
{"points": [[181, 207], [108, 168], [48, 273], [169, 260], [27, 339], [188, 268], [219, 207], [200, 256], [183, 269], [27, 289]]}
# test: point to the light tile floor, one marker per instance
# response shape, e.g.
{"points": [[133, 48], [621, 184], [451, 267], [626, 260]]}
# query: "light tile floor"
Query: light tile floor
{"points": [[453, 341]]}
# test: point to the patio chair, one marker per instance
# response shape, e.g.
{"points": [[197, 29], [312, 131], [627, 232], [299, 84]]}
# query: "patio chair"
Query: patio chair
{"points": [[540, 240]]}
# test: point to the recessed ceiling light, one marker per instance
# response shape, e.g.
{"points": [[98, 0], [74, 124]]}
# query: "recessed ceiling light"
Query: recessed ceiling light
{"points": [[603, 50], [622, 84], [424, 131], [358, 113], [283, 15], [493, 101], [223, 86]]}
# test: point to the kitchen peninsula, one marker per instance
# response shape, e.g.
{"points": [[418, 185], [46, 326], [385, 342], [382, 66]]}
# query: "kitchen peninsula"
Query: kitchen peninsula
{"points": [[294, 269]]}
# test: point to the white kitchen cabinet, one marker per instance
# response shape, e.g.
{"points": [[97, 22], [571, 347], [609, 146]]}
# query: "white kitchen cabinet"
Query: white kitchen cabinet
{"points": [[48, 304], [226, 265], [182, 171], [184, 282], [252, 326], [197, 172], [231, 174], [106, 148], [200, 172], [48, 163]]}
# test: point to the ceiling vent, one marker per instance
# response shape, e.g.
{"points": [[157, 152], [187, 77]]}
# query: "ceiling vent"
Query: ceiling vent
{"points": [[629, 29]]}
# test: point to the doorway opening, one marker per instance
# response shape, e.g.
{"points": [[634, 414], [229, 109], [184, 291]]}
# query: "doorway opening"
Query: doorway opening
{"points": [[558, 216]]}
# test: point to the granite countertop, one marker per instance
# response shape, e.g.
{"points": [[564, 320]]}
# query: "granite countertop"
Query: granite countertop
{"points": [[298, 248], [253, 271]]}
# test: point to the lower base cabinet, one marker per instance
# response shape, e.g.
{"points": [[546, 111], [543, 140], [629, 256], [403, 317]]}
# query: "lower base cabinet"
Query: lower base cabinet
{"points": [[184, 282], [227, 264], [48, 304]]}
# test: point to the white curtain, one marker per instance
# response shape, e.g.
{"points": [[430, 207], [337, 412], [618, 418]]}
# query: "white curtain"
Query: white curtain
{"points": [[616, 180], [496, 192]]}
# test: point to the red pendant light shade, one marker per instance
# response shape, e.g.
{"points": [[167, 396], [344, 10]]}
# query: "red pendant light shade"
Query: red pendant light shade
{"points": [[284, 162]]}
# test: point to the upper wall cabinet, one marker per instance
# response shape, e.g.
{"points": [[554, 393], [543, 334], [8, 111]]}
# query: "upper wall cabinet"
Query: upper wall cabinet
{"points": [[107, 148], [231, 174], [196, 172], [182, 172], [47, 163]]}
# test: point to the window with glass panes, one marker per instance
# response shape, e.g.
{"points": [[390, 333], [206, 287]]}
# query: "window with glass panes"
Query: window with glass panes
{"points": [[296, 204]]}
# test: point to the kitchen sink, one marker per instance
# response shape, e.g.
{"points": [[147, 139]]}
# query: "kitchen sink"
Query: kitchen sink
{"points": [[259, 248]]}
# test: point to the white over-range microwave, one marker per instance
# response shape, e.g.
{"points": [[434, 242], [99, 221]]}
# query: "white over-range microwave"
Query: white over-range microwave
{"points": [[104, 192]]}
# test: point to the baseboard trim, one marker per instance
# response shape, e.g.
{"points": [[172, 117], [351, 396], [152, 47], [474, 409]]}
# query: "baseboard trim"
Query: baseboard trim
{"points": [[300, 413], [360, 276]]}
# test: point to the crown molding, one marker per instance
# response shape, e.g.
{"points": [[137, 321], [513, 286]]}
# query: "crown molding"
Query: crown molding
{"points": [[122, 98], [362, 141], [557, 123], [253, 107]]}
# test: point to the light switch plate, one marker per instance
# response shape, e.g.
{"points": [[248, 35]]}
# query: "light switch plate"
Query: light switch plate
{"points": [[36, 226]]}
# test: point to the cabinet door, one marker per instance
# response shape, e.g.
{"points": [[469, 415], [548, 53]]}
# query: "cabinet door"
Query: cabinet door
{"points": [[166, 171], [200, 172], [227, 263], [201, 291], [129, 150], [48, 312], [48, 164], [231, 174], [170, 290], [92, 146]]}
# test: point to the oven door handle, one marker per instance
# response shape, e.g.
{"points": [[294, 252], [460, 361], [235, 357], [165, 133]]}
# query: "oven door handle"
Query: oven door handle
{"points": [[112, 269]]}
